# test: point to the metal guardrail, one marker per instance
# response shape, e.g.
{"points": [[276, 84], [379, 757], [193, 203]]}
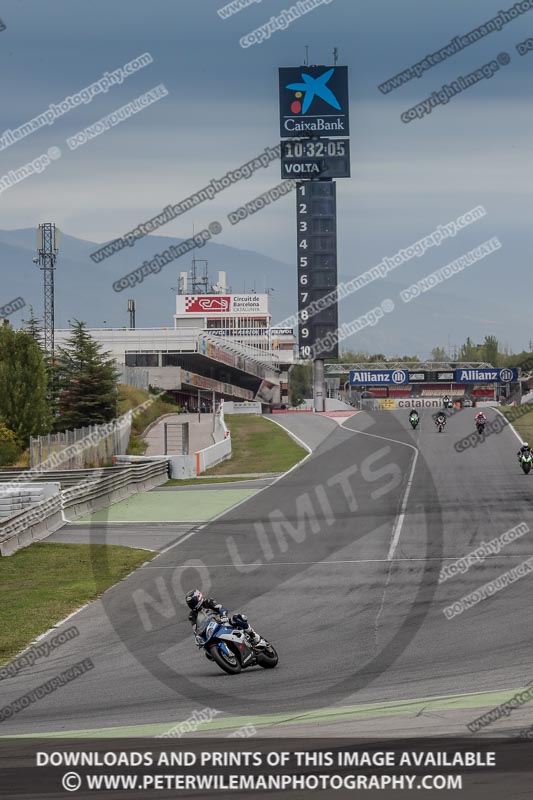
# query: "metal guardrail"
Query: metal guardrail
{"points": [[93, 484], [67, 477]]}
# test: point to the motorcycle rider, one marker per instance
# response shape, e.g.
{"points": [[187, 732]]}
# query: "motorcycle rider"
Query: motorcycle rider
{"points": [[440, 419], [413, 415], [446, 401], [196, 602], [524, 450], [481, 417]]}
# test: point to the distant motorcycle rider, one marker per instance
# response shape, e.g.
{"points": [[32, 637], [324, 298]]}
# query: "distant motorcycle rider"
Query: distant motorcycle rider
{"points": [[525, 450], [196, 602], [413, 415], [440, 419], [481, 417], [446, 401]]}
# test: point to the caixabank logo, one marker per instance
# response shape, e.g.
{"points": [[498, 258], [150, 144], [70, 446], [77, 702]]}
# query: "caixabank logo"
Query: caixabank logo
{"points": [[313, 101]]}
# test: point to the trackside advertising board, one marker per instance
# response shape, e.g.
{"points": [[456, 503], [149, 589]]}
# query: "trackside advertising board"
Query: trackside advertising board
{"points": [[392, 377], [505, 375]]}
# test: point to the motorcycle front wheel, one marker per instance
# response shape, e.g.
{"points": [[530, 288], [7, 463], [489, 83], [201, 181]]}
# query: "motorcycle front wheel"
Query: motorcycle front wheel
{"points": [[268, 658], [229, 664]]}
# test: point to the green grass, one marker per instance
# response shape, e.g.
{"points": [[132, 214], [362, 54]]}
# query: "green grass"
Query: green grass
{"points": [[41, 584], [521, 417], [130, 397], [194, 481], [258, 445]]}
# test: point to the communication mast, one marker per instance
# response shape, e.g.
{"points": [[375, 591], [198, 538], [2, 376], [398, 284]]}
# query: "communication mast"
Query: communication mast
{"points": [[47, 249], [199, 282]]}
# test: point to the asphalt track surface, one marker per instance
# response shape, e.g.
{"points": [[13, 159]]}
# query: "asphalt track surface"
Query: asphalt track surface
{"points": [[338, 564]]}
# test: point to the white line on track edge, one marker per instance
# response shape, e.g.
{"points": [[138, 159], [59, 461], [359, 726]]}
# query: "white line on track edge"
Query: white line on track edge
{"points": [[396, 531]]}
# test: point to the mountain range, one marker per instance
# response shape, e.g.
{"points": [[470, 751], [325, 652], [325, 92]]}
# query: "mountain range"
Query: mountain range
{"points": [[473, 303]]}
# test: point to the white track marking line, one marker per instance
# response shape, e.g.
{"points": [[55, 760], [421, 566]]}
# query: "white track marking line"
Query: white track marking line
{"points": [[512, 427], [396, 531], [246, 499], [344, 561]]}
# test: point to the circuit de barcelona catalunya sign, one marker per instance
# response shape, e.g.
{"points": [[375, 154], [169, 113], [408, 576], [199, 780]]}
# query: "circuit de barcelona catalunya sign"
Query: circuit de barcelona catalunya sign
{"points": [[391, 376], [505, 375]]}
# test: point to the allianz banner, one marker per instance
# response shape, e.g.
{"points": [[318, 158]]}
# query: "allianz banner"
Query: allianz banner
{"points": [[391, 377], [504, 375]]}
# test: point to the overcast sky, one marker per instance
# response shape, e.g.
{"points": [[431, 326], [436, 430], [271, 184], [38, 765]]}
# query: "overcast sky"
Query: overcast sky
{"points": [[222, 109]]}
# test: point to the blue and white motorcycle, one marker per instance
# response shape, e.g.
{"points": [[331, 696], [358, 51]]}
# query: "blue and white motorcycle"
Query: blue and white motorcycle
{"points": [[231, 647]]}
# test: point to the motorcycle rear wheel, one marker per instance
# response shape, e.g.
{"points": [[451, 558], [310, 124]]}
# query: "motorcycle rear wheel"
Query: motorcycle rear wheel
{"points": [[229, 664]]}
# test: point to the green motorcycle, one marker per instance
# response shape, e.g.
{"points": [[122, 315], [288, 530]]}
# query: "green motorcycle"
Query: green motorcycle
{"points": [[526, 462]]}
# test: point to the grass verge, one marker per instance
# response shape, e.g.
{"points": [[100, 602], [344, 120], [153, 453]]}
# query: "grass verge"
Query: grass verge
{"points": [[130, 398], [195, 481], [258, 446], [41, 584], [521, 418]]}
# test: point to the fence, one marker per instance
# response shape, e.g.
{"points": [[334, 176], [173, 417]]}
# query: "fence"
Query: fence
{"points": [[90, 446], [133, 376]]}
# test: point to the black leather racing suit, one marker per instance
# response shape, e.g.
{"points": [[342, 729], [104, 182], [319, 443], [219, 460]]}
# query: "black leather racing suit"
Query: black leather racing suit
{"points": [[237, 620]]}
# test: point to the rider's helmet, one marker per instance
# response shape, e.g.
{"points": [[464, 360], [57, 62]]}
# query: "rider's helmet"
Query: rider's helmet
{"points": [[525, 446], [194, 599]]}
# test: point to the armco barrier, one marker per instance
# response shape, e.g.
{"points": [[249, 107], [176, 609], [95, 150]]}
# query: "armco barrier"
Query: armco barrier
{"points": [[96, 491], [15, 498]]}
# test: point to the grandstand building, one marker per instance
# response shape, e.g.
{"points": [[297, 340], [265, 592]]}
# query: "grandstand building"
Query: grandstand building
{"points": [[221, 346]]}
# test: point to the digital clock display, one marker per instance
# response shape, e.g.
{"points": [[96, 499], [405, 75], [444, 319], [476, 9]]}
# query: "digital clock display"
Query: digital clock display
{"points": [[315, 158], [316, 148]]}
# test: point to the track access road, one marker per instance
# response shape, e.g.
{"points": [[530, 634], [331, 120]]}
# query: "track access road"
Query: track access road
{"points": [[338, 563]]}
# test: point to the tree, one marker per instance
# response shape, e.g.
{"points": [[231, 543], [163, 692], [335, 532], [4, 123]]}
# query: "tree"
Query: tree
{"points": [[86, 382], [491, 350], [439, 354], [9, 447], [300, 383], [33, 327], [469, 351], [23, 385]]}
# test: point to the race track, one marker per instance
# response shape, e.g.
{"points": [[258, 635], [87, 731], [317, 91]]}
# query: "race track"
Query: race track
{"points": [[338, 563]]}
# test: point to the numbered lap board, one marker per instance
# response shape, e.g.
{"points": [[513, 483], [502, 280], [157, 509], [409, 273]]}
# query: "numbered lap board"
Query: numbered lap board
{"points": [[317, 269]]}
